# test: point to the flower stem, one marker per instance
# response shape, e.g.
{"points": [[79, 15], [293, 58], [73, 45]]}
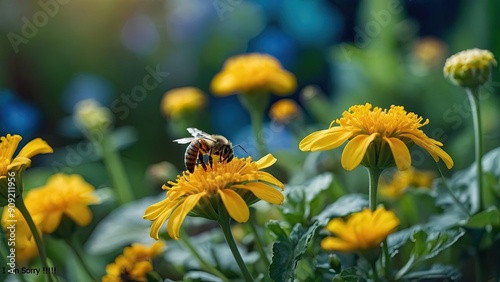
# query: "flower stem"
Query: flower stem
{"points": [[206, 266], [226, 229], [256, 104], [38, 239], [77, 250], [374, 175], [387, 260], [473, 94], [375, 273], [258, 240], [116, 170]]}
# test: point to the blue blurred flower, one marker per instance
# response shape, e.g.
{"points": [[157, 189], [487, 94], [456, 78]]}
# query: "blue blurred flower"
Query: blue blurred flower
{"points": [[189, 21], [275, 42], [18, 116], [312, 23]]}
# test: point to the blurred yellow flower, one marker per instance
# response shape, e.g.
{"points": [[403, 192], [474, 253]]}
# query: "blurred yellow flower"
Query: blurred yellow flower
{"points": [[253, 73], [403, 179], [470, 68], [378, 138], [90, 115], [284, 111], [179, 100], [362, 231], [134, 264], [233, 186], [8, 146], [25, 246], [430, 51], [63, 194]]}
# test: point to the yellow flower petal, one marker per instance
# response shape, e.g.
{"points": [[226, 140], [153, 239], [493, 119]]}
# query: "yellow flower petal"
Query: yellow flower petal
{"points": [[235, 205], [35, 147], [51, 221], [335, 244], [18, 162], [400, 152], [325, 139], [266, 161], [177, 217], [157, 223], [355, 150], [80, 214], [262, 191], [435, 151]]}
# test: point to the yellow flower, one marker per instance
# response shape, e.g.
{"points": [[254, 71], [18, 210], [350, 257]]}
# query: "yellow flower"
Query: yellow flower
{"points": [[284, 111], [362, 231], [469, 68], [90, 115], [8, 146], [404, 179], [25, 246], [179, 100], [430, 51], [377, 138], [63, 194], [232, 186], [134, 264], [253, 73]]}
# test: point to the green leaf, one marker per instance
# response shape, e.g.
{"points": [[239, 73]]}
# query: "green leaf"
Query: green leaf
{"points": [[287, 251], [429, 244], [276, 227], [491, 216], [348, 275], [200, 276], [343, 206], [437, 271], [298, 198]]}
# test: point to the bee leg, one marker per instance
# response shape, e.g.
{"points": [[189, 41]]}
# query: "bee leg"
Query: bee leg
{"points": [[200, 159], [210, 160]]}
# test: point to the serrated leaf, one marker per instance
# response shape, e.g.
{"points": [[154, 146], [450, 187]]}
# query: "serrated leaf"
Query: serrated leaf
{"points": [[491, 216], [343, 206], [288, 251], [399, 238], [435, 272]]}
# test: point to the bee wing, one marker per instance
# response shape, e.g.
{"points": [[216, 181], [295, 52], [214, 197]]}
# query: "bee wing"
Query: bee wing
{"points": [[199, 133], [184, 140]]}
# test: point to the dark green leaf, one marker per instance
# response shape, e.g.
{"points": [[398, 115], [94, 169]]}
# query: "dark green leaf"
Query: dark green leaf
{"points": [[398, 239], [343, 206], [348, 275], [491, 216], [275, 226], [200, 276], [288, 251], [429, 244], [437, 271]]}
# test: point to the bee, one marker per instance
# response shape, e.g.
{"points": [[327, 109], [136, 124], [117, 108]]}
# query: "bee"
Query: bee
{"points": [[202, 144]]}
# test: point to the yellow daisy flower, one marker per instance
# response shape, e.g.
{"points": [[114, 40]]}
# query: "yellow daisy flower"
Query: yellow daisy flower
{"points": [[179, 100], [403, 179], [8, 146], [362, 231], [233, 186], [469, 68], [284, 111], [253, 73], [134, 264], [63, 194], [378, 138]]}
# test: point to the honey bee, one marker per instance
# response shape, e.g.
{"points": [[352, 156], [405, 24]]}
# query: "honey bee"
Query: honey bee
{"points": [[202, 144]]}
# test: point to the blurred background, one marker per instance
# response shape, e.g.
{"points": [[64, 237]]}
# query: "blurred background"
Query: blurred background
{"points": [[54, 53]]}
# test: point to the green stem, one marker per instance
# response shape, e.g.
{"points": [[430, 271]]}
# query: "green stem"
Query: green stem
{"points": [[374, 174], [375, 272], [473, 94], [454, 198], [226, 229], [77, 250], [206, 266], [116, 170], [38, 240], [256, 104], [387, 260], [258, 240], [478, 269]]}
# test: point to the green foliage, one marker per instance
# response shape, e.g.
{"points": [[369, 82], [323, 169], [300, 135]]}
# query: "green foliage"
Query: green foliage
{"points": [[288, 250]]}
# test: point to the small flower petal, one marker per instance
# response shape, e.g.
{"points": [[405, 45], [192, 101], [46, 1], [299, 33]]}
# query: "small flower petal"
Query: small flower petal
{"points": [[400, 152], [235, 205], [355, 150], [177, 217]]}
